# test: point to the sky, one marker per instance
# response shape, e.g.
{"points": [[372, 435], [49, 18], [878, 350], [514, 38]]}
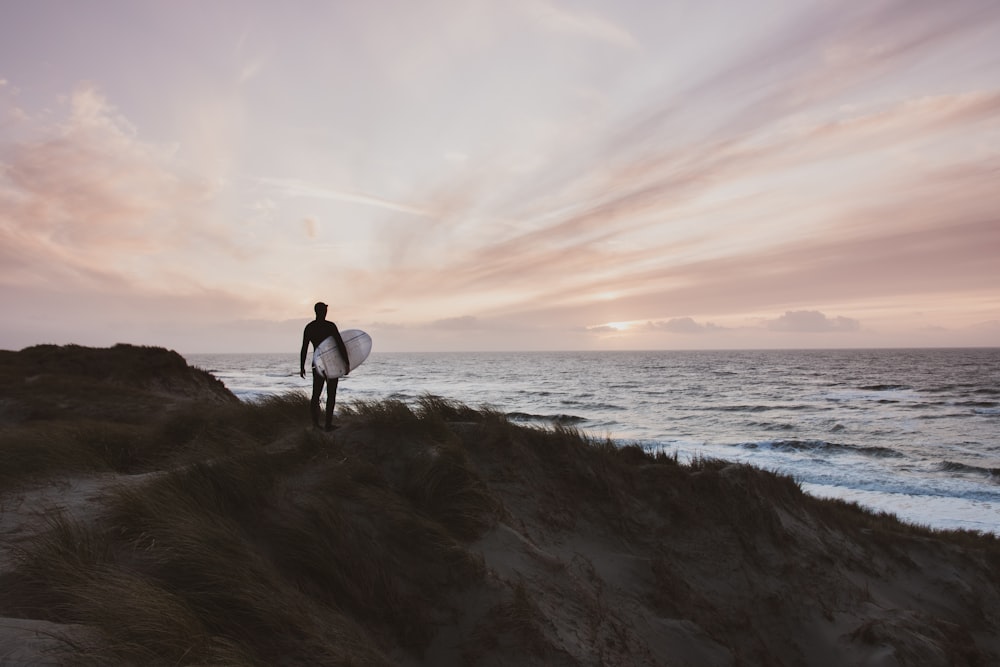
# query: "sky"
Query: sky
{"points": [[500, 175]]}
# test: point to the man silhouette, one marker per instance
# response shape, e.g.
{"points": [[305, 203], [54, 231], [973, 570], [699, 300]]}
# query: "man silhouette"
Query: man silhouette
{"points": [[316, 332]]}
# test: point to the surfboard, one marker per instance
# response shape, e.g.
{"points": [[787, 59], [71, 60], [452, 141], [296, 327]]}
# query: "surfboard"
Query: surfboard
{"points": [[328, 361]]}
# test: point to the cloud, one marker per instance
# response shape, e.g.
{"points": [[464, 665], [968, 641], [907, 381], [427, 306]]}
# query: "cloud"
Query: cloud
{"points": [[115, 235], [729, 194], [812, 321], [683, 325], [295, 188], [824, 51], [903, 231], [566, 247], [579, 22], [829, 158], [953, 256], [934, 233], [88, 200]]}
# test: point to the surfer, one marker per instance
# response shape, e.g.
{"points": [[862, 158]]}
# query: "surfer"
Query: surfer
{"points": [[316, 332]]}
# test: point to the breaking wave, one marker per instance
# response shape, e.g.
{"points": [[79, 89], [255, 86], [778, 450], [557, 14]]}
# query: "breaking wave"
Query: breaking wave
{"points": [[821, 446], [552, 419]]}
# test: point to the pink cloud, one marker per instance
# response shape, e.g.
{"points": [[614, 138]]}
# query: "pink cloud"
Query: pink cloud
{"points": [[934, 233], [812, 321], [683, 325], [90, 199]]}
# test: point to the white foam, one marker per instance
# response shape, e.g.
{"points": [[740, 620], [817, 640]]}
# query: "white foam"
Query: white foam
{"points": [[940, 512]]}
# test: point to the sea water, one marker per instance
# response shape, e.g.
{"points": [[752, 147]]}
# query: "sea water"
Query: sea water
{"points": [[912, 432]]}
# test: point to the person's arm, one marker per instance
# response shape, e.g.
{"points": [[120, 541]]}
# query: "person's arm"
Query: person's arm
{"points": [[302, 354], [343, 350]]}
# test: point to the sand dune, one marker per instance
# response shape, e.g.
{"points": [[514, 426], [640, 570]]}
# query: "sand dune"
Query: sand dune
{"points": [[167, 523]]}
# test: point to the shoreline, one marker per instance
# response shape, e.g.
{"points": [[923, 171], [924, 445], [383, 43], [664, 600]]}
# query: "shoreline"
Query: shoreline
{"points": [[173, 522], [813, 438]]}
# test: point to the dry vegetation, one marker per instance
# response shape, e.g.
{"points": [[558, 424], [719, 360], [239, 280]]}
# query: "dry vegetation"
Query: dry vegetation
{"points": [[217, 532]]}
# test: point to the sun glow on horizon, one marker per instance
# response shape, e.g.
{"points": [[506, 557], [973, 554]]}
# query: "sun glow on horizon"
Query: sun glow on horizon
{"points": [[614, 327]]}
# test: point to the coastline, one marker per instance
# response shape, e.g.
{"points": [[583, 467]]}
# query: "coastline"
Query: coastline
{"points": [[438, 534], [913, 432]]}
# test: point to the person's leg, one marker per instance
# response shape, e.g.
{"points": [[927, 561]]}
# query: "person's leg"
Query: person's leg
{"points": [[331, 400], [318, 381]]}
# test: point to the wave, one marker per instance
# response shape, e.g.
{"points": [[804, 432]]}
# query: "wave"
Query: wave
{"points": [[977, 404], [761, 408], [773, 426], [944, 415], [593, 406], [885, 387], [928, 405], [955, 466], [821, 446], [555, 419]]}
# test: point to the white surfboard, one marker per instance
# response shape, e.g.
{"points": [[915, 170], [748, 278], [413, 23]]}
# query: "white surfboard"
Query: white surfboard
{"points": [[328, 361]]}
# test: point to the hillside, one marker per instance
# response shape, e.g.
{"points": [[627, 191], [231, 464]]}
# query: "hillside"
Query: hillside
{"points": [[157, 520], [122, 383]]}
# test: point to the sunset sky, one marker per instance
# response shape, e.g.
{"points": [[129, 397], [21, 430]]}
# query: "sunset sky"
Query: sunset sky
{"points": [[493, 175]]}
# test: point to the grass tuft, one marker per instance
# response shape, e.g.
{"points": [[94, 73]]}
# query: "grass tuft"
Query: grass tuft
{"points": [[443, 484], [446, 409]]}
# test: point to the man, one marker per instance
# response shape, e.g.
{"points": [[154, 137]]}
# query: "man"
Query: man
{"points": [[316, 332]]}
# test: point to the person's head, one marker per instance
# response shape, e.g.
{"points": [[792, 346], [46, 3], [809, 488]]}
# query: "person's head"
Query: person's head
{"points": [[320, 309]]}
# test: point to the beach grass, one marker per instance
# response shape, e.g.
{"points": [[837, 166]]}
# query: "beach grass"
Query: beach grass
{"points": [[433, 532], [279, 552]]}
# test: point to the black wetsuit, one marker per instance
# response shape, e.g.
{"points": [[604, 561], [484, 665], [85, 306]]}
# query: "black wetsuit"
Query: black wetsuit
{"points": [[316, 332]]}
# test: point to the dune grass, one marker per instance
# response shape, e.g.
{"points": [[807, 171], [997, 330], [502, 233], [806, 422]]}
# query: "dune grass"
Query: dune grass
{"points": [[264, 555], [189, 432], [252, 539]]}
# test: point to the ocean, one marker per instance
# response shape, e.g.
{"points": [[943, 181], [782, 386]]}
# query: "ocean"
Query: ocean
{"points": [[913, 432]]}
